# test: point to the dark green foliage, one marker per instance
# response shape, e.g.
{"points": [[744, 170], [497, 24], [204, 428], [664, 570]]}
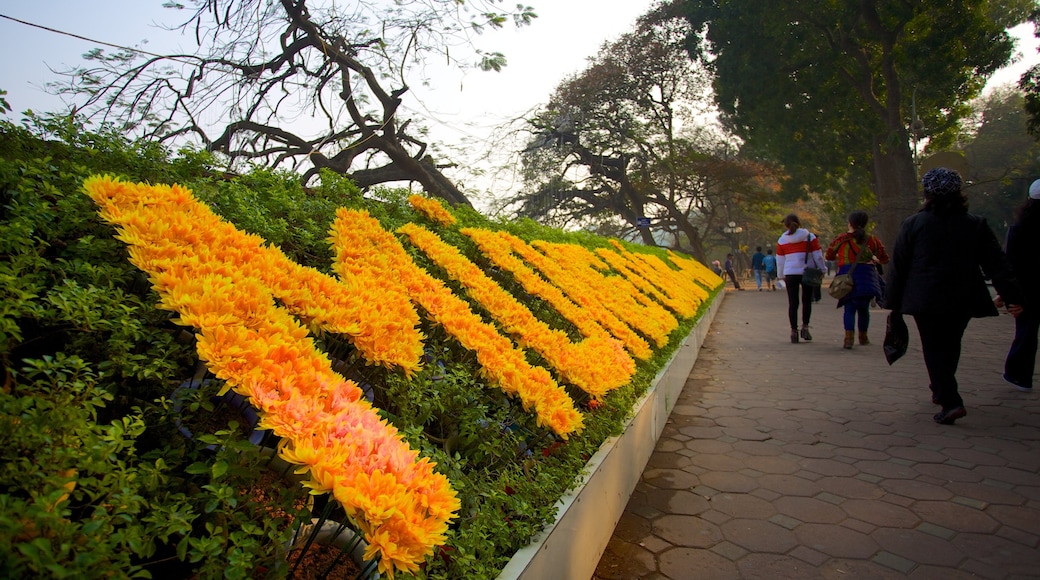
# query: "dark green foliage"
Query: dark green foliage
{"points": [[96, 476]]}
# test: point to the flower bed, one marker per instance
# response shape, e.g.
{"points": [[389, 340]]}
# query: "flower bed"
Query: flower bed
{"points": [[438, 379]]}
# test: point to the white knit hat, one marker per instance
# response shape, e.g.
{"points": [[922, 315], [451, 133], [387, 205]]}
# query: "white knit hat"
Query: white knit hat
{"points": [[1034, 190]]}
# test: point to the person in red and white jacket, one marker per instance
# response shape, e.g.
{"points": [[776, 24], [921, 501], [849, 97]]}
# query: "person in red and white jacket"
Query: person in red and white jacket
{"points": [[793, 249]]}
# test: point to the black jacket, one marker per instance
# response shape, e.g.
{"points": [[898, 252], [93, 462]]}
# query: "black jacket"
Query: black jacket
{"points": [[940, 264], [1023, 252]]}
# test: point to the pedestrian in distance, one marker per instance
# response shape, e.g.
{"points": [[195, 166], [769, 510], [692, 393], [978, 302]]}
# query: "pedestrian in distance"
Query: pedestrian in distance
{"points": [[758, 266], [856, 247], [940, 261], [769, 265], [1023, 253], [730, 272], [795, 248]]}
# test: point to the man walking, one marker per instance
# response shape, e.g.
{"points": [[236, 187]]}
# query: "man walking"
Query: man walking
{"points": [[758, 266]]}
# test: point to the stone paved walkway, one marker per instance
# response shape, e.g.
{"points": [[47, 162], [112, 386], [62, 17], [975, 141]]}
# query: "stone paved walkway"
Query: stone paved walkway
{"points": [[806, 460]]}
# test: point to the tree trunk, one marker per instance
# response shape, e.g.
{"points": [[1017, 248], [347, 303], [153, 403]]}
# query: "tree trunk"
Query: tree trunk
{"points": [[896, 184]]}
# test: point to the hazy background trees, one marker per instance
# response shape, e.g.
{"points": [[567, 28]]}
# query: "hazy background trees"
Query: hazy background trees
{"points": [[296, 84], [828, 90]]}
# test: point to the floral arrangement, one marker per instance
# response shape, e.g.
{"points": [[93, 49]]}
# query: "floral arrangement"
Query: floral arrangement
{"points": [[432, 209], [256, 312]]}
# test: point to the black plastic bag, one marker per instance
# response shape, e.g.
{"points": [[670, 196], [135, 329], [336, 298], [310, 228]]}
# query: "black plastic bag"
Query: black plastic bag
{"points": [[897, 337]]}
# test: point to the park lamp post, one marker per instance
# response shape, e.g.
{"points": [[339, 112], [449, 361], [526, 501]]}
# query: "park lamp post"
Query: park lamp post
{"points": [[732, 230]]}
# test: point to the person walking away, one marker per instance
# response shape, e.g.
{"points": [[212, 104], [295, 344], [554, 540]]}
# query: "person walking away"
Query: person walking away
{"points": [[865, 251], [1023, 253], [769, 265], [758, 266], [729, 271], [795, 247], [940, 260]]}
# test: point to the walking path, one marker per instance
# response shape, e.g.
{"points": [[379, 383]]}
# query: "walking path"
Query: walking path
{"points": [[806, 460]]}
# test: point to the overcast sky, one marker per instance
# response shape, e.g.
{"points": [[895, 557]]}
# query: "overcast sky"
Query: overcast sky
{"points": [[459, 108]]}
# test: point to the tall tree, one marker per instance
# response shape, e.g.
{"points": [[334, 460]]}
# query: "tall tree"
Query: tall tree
{"points": [[624, 141], [1002, 157], [289, 83], [828, 89]]}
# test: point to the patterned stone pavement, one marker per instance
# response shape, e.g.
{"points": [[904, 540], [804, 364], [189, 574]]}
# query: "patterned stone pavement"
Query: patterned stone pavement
{"points": [[806, 460]]}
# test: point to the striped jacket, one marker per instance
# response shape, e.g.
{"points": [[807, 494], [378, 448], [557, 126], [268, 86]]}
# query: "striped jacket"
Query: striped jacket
{"points": [[791, 252]]}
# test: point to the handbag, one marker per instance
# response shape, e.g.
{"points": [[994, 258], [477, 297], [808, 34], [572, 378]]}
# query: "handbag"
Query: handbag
{"points": [[842, 284], [897, 337], [811, 276]]}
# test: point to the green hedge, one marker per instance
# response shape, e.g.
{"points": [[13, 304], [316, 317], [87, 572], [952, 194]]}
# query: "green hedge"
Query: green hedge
{"points": [[96, 478]]}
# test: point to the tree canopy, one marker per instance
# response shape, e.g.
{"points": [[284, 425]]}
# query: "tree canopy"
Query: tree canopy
{"points": [[629, 142], [309, 85], [829, 89]]}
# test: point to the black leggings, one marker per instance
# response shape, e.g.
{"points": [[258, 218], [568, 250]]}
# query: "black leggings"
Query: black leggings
{"points": [[794, 283]]}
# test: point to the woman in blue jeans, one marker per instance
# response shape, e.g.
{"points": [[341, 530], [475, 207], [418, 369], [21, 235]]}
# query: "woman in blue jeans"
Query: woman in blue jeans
{"points": [[1023, 252], [857, 247]]}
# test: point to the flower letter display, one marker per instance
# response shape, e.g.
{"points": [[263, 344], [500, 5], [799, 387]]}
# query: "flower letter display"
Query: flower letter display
{"points": [[256, 311], [223, 282]]}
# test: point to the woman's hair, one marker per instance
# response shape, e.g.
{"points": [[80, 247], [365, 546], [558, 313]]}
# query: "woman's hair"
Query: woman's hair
{"points": [[791, 222], [858, 220], [942, 192]]}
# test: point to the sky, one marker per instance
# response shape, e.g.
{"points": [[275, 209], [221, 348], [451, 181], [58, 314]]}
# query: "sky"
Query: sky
{"points": [[462, 110]]}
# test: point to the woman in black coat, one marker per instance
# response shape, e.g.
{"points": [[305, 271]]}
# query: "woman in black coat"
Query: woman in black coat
{"points": [[940, 262], [1023, 252]]}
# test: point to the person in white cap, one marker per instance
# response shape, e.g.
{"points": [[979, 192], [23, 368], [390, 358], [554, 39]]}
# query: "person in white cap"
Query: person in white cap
{"points": [[1023, 251]]}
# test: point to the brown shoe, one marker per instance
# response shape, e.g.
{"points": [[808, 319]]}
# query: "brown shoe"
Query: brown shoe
{"points": [[863, 338], [848, 340]]}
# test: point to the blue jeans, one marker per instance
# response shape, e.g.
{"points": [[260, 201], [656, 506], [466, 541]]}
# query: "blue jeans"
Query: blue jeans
{"points": [[1021, 358], [859, 305], [758, 278]]}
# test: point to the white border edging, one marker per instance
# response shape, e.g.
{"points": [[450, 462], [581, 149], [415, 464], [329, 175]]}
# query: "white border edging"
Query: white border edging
{"points": [[587, 515]]}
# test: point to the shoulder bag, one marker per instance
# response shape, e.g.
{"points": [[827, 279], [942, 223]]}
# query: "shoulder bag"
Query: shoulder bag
{"points": [[812, 276], [842, 284]]}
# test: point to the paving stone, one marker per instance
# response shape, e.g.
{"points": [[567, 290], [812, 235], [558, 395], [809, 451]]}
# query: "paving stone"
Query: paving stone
{"points": [[718, 462], [689, 531], [918, 546], [726, 481], [916, 489], [998, 552], [808, 509], [789, 485], [670, 479], [759, 536], [773, 465], [889, 560], [949, 472], [851, 569], [740, 505], [829, 467], [969, 502], [937, 531], [771, 567], [632, 528], [623, 561], [765, 494], [1019, 537], [984, 492], [765, 448], [677, 502], [1009, 475], [709, 446], [729, 550], [887, 469], [680, 563], [941, 573], [1022, 518], [918, 454], [715, 516], [879, 513], [809, 555], [955, 517], [836, 541], [661, 460], [849, 487]]}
